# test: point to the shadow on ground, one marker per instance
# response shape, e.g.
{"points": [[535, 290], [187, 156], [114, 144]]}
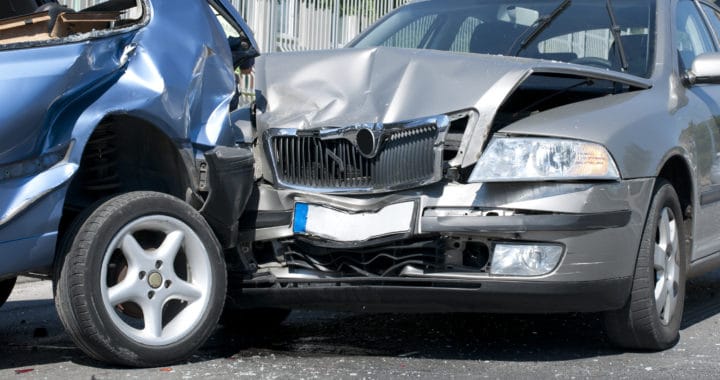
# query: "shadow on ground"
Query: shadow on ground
{"points": [[435, 336], [32, 335], [451, 336]]}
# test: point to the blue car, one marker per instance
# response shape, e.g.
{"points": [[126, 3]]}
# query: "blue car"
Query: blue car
{"points": [[120, 176]]}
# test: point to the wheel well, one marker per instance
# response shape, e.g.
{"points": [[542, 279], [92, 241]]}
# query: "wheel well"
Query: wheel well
{"points": [[124, 154], [677, 173]]}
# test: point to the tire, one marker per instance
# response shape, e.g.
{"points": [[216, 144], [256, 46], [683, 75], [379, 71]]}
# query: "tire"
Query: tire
{"points": [[6, 287], [244, 320], [143, 282], [67, 239], [647, 321]]}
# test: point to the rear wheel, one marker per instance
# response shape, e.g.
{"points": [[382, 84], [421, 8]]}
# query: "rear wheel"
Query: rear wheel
{"points": [[651, 318], [143, 282], [6, 287]]}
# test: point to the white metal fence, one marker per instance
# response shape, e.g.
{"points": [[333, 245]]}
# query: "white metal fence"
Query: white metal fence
{"points": [[292, 25], [289, 25]]}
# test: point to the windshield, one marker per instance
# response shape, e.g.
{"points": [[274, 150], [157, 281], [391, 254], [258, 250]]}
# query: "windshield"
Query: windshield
{"points": [[577, 31]]}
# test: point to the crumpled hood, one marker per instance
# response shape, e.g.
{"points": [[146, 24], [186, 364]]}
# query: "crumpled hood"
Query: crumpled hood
{"points": [[351, 86]]}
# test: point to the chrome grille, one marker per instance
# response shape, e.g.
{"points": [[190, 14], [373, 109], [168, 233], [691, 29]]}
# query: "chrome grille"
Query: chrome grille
{"points": [[407, 157]]}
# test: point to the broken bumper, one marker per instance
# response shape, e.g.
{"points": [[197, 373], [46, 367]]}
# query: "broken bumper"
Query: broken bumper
{"points": [[599, 225]]}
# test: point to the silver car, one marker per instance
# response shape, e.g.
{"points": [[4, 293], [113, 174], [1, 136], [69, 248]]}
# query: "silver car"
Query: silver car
{"points": [[492, 156]]}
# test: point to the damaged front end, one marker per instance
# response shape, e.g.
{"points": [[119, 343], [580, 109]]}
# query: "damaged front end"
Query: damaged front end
{"points": [[370, 187]]}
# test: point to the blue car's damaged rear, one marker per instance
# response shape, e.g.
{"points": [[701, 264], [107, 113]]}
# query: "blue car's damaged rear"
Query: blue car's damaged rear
{"points": [[111, 115]]}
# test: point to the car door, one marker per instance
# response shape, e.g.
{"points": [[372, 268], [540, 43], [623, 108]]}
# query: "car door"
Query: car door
{"points": [[702, 115]]}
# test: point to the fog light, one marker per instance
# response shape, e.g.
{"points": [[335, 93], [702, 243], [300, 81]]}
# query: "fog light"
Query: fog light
{"points": [[525, 259]]}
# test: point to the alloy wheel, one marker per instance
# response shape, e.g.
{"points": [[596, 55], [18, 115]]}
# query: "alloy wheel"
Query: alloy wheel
{"points": [[155, 280], [666, 265]]}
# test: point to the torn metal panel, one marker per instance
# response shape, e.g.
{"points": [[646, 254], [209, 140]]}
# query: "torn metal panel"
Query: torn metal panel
{"points": [[371, 85], [47, 97]]}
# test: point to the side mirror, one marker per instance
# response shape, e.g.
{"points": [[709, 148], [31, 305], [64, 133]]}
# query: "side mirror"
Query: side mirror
{"points": [[705, 69]]}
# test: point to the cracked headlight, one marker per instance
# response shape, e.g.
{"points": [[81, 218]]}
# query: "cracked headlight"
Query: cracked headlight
{"points": [[515, 159]]}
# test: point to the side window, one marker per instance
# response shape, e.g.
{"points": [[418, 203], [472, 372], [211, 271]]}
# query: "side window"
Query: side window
{"points": [[243, 51], [413, 34], [227, 27], [692, 37], [714, 17], [23, 23]]}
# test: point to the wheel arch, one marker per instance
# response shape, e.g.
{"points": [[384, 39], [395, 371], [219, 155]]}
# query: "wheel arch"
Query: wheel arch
{"points": [[677, 171], [125, 153]]}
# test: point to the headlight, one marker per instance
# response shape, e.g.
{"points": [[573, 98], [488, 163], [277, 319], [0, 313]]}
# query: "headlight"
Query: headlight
{"points": [[508, 159]]}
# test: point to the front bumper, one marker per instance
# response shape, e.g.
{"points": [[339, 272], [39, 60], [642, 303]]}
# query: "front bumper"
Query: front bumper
{"points": [[526, 223], [598, 224]]}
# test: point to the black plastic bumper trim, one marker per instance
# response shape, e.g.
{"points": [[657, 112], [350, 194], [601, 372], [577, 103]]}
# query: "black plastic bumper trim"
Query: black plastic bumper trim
{"points": [[525, 223], [253, 219], [231, 182], [493, 296]]}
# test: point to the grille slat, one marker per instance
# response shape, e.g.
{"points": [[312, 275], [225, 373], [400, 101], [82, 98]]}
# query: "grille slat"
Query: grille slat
{"points": [[406, 158]]}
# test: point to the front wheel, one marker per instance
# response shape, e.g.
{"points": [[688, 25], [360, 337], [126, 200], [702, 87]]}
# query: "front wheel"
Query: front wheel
{"points": [[6, 287], [651, 318], [144, 281]]}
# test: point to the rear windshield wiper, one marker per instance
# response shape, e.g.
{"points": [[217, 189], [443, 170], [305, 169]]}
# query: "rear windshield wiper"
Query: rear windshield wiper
{"points": [[542, 23], [615, 28]]}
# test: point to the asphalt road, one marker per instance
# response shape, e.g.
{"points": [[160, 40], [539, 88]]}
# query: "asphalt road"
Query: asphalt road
{"points": [[355, 346]]}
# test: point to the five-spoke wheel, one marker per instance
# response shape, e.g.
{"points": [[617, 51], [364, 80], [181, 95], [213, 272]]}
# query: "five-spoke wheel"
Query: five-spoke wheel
{"points": [[139, 274], [144, 281]]}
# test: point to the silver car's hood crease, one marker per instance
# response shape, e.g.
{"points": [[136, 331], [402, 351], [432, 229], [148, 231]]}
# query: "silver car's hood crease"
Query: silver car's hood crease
{"points": [[385, 85]]}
